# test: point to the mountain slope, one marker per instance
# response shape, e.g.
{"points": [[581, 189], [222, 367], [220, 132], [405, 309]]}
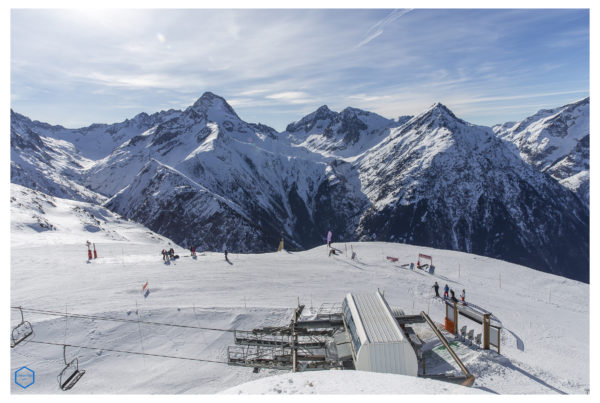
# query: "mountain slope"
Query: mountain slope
{"points": [[556, 141], [343, 134], [278, 189], [45, 163], [442, 182]]}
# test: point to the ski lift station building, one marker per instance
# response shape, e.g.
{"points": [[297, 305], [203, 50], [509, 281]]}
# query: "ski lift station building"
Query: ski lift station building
{"points": [[377, 341]]}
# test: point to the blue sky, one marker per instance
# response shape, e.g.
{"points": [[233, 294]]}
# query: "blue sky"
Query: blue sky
{"points": [[77, 67]]}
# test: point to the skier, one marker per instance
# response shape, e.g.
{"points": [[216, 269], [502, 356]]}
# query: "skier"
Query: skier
{"points": [[462, 297], [226, 255], [193, 250], [436, 287], [453, 298], [164, 254], [329, 238], [446, 288]]}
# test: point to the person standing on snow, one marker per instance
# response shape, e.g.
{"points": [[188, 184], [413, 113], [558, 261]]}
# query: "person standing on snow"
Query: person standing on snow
{"points": [[462, 296], [446, 289], [226, 255], [453, 298], [329, 238], [436, 287]]}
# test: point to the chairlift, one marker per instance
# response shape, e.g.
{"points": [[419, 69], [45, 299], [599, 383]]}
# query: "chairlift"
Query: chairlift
{"points": [[22, 331], [71, 373]]}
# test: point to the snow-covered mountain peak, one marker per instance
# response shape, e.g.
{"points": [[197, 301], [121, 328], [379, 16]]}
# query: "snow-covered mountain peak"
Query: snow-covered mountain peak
{"points": [[214, 107], [438, 114], [344, 134], [323, 114]]}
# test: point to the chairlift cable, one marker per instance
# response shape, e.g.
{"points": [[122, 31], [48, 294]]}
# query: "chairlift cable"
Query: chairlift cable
{"points": [[127, 352], [83, 316]]}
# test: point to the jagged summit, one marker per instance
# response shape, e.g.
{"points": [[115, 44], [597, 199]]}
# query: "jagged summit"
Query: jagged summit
{"points": [[555, 141], [440, 110], [438, 115], [323, 109], [308, 122], [212, 104]]}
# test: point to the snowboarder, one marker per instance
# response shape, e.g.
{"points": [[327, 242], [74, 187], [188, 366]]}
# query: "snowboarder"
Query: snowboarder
{"points": [[462, 296], [436, 287], [329, 238], [453, 298], [446, 288]]}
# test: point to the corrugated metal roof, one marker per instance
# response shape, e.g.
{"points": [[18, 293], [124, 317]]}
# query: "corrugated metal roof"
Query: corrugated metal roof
{"points": [[376, 319]]}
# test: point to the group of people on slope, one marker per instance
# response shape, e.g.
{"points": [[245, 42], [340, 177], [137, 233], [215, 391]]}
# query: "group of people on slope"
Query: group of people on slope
{"points": [[436, 287], [168, 255]]}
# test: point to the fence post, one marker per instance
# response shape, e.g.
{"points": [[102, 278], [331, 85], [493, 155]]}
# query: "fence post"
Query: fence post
{"points": [[486, 331]]}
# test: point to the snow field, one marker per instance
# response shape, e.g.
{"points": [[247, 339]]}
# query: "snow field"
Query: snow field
{"points": [[545, 318]]}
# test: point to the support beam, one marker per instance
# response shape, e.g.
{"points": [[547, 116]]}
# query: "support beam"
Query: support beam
{"points": [[455, 319], [486, 331], [469, 378]]}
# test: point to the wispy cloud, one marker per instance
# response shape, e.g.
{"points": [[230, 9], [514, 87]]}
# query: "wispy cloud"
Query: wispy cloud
{"points": [[378, 28], [275, 65], [294, 97]]}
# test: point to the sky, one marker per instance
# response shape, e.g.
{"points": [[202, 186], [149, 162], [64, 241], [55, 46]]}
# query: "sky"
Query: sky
{"points": [[77, 67]]}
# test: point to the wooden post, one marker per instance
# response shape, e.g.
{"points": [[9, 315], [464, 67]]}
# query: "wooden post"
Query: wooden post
{"points": [[294, 351], [498, 341], [486, 331], [455, 319]]}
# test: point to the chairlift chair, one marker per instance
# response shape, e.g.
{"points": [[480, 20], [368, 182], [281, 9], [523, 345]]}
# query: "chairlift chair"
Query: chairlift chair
{"points": [[22, 331], [71, 373]]}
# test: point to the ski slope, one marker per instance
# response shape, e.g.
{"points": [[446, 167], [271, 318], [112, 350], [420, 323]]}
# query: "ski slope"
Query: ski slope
{"points": [[545, 338]]}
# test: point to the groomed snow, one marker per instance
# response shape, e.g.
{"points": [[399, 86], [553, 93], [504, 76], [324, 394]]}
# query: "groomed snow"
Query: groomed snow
{"points": [[545, 339], [347, 382]]}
